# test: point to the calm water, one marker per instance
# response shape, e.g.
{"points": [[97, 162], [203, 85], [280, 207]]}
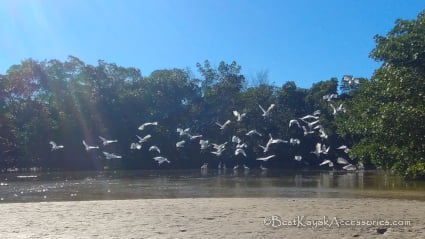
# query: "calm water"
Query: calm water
{"points": [[65, 186]]}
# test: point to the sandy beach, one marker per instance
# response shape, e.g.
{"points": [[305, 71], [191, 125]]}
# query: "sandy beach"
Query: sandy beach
{"points": [[215, 218]]}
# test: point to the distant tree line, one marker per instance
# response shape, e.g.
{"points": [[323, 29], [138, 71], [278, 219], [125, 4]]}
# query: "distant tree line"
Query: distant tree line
{"points": [[70, 101]]}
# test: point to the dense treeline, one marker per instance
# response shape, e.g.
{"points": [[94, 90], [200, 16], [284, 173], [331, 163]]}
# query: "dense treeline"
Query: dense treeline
{"points": [[71, 101]]}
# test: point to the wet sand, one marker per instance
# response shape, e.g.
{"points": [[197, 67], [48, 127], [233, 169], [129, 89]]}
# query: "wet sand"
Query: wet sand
{"points": [[212, 218]]}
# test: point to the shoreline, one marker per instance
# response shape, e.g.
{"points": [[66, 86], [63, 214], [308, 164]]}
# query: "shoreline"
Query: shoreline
{"points": [[212, 218]]}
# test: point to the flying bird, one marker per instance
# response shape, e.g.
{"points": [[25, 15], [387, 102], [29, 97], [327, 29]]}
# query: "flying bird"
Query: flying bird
{"points": [[309, 117], [294, 141], [345, 148], [204, 144], [294, 122], [252, 132], [154, 148], [240, 151], [144, 139], [274, 141], [193, 137], [266, 158], [88, 147], [180, 144], [330, 97], [55, 146], [266, 112], [111, 156], [328, 162], [142, 127], [341, 160], [161, 160], [135, 146], [238, 116], [223, 126], [107, 141], [307, 131], [298, 157], [350, 80], [183, 131]]}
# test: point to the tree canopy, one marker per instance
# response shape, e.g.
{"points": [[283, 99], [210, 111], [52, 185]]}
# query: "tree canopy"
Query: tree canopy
{"points": [[384, 118]]}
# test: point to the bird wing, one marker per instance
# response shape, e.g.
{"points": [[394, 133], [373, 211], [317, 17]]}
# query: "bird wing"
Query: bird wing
{"points": [[141, 127], [318, 148], [347, 78], [271, 107], [262, 109], [85, 144], [103, 139], [341, 160], [221, 126]]}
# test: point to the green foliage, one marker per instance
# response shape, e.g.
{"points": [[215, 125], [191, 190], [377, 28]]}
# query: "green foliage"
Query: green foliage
{"points": [[385, 116]]}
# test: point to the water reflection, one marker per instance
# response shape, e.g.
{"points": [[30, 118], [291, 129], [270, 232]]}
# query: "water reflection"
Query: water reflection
{"points": [[39, 186]]}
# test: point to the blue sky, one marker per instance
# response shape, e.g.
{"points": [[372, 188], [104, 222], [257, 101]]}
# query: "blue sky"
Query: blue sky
{"points": [[302, 41]]}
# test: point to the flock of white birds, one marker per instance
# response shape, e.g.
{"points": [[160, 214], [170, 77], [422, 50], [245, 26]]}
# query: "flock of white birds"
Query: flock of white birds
{"points": [[309, 124]]}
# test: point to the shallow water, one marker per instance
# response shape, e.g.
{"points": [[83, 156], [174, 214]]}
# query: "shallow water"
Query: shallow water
{"points": [[105, 185]]}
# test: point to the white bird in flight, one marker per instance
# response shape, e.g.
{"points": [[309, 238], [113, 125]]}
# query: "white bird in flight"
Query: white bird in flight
{"points": [[193, 137], [223, 126], [298, 157], [88, 147], [142, 127], [204, 144], [293, 141], [252, 132], [144, 139], [135, 146], [345, 148], [294, 122], [107, 141], [335, 110], [180, 144], [328, 162], [309, 117], [238, 116], [161, 160], [236, 139], [329, 97], [55, 146], [240, 151], [274, 141], [266, 158], [307, 131], [342, 160], [111, 156], [350, 80], [266, 112], [154, 148], [183, 131]]}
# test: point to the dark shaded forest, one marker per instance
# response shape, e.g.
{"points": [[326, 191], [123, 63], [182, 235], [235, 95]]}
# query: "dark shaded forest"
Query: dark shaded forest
{"points": [[380, 120]]}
